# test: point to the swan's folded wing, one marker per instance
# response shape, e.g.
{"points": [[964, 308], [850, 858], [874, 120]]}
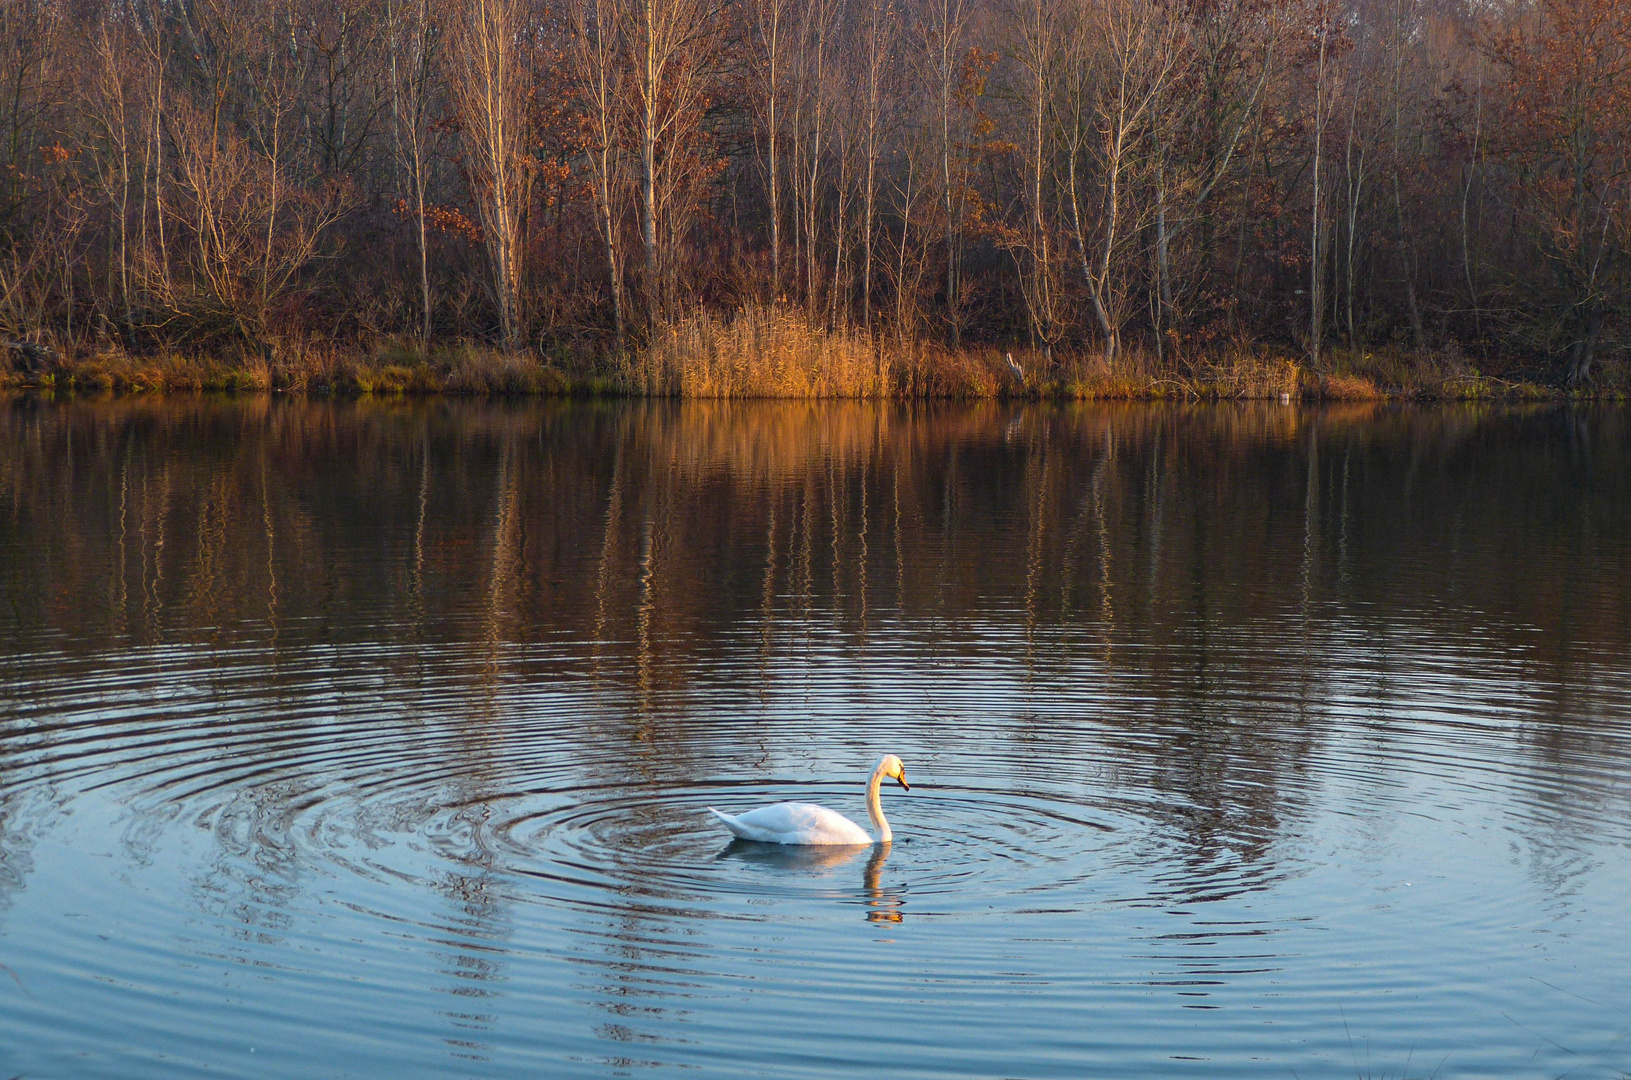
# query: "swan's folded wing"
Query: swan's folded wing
{"points": [[794, 823]]}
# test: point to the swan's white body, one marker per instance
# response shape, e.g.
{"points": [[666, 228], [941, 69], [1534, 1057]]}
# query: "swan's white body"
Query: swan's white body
{"points": [[806, 823], [794, 823]]}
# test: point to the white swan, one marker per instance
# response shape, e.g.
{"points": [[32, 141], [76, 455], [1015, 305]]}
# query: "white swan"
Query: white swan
{"points": [[806, 823]]}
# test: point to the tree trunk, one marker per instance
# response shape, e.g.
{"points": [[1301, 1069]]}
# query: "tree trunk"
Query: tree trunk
{"points": [[491, 96], [1584, 349], [1316, 261]]}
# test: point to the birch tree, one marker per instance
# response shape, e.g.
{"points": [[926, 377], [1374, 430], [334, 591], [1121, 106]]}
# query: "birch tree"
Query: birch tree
{"points": [[489, 86], [948, 21], [878, 47], [1317, 234], [413, 40], [600, 70], [772, 26], [1124, 55], [1036, 54], [669, 65]]}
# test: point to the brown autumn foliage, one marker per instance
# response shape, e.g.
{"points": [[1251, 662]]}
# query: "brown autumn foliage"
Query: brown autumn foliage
{"points": [[822, 196], [1566, 120]]}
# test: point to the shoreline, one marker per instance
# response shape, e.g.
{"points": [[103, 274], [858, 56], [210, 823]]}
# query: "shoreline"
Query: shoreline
{"points": [[829, 368], [552, 384]]}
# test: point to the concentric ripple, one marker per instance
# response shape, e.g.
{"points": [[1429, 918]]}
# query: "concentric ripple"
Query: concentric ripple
{"points": [[370, 792], [556, 792], [378, 740], [950, 843]]}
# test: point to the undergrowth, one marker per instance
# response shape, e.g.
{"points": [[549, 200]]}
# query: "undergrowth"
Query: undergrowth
{"points": [[781, 353]]}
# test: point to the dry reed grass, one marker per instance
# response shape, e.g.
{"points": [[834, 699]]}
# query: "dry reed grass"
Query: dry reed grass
{"points": [[1138, 376], [1242, 373], [767, 352], [762, 352], [1346, 388]]}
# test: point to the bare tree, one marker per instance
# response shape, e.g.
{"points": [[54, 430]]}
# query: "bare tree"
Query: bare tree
{"points": [[878, 36], [909, 189], [1123, 56], [948, 21], [249, 202], [489, 85], [1354, 152], [772, 27], [1036, 53], [154, 53], [110, 106], [1404, 30], [251, 236], [1567, 110], [1316, 241], [349, 45], [812, 133], [28, 46], [413, 40], [1470, 173], [600, 70], [173, 172], [1218, 99], [849, 139], [667, 46]]}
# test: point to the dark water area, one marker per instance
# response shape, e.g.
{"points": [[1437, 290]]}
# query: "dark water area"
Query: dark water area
{"points": [[374, 739]]}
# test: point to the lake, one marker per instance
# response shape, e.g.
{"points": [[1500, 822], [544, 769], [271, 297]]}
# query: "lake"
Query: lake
{"points": [[374, 739]]}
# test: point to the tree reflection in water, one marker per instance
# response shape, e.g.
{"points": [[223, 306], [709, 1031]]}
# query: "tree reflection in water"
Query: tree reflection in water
{"points": [[495, 656]]}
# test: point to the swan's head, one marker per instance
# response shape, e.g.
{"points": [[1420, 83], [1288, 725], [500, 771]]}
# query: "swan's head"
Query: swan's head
{"points": [[891, 767]]}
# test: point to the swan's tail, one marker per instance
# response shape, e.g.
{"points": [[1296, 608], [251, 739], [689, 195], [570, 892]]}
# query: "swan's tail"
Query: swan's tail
{"points": [[736, 827]]}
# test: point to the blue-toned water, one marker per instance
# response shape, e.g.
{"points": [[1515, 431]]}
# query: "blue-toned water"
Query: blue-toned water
{"points": [[373, 740]]}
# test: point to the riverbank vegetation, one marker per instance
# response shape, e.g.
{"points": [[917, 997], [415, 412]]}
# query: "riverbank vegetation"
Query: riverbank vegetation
{"points": [[1089, 198]]}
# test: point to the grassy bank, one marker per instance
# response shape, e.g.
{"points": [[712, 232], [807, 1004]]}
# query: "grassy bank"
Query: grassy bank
{"points": [[779, 354], [392, 369]]}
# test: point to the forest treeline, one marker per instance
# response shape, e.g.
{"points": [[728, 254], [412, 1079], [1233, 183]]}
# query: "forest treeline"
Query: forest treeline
{"points": [[1059, 178]]}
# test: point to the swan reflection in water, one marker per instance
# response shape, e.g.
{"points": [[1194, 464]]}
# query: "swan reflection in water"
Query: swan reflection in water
{"points": [[883, 904]]}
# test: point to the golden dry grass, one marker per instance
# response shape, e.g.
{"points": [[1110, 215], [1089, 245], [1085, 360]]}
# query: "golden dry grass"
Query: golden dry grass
{"points": [[1138, 376], [1238, 373], [119, 371], [764, 352], [395, 369], [1346, 388], [761, 352]]}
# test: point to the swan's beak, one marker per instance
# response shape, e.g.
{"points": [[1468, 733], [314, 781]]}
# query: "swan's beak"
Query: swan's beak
{"points": [[903, 783]]}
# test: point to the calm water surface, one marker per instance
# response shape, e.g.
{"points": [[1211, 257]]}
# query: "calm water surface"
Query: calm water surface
{"points": [[373, 740]]}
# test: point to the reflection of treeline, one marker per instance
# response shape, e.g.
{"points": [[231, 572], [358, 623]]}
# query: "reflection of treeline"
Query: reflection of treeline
{"points": [[1131, 181], [144, 518], [1280, 559]]}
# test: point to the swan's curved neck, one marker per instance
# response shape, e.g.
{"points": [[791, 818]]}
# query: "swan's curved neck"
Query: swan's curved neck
{"points": [[874, 807]]}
